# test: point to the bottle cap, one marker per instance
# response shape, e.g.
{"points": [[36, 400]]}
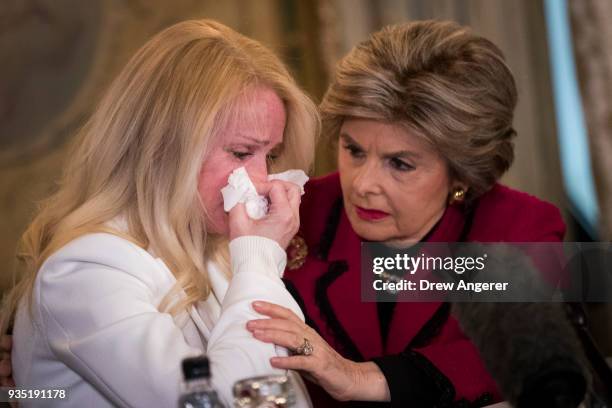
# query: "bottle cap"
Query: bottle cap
{"points": [[196, 367]]}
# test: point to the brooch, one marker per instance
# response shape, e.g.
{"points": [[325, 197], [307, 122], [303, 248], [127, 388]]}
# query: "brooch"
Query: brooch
{"points": [[296, 252]]}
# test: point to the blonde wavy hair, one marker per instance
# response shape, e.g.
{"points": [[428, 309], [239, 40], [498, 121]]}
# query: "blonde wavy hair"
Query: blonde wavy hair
{"points": [[140, 154]]}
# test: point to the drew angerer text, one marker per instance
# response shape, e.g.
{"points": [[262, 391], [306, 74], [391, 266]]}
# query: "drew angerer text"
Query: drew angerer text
{"points": [[426, 285], [404, 263]]}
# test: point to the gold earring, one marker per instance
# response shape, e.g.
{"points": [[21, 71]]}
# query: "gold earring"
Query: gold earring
{"points": [[458, 196]]}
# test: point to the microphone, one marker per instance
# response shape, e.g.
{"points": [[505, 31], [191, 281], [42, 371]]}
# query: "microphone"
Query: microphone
{"points": [[530, 349]]}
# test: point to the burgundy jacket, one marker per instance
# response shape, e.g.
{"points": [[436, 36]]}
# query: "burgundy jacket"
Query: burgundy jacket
{"points": [[427, 360]]}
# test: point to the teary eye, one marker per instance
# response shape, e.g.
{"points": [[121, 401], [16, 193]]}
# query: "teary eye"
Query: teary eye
{"points": [[241, 155]]}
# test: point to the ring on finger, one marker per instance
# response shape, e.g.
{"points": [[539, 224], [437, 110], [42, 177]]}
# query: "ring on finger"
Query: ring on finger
{"points": [[305, 349]]}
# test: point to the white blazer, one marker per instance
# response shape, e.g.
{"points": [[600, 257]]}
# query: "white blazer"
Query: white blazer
{"points": [[96, 331]]}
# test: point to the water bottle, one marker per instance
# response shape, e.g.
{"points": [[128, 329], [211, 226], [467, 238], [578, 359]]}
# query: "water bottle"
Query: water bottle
{"points": [[197, 389]]}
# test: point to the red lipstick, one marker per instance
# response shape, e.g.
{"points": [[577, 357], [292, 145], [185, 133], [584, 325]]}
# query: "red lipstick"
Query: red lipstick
{"points": [[370, 215]]}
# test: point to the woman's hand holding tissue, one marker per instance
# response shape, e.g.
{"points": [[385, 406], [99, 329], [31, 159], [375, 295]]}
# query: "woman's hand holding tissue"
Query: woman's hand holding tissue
{"points": [[282, 220]]}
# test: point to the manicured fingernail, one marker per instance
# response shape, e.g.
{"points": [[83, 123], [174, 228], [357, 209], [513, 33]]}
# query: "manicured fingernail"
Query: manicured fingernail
{"points": [[251, 324], [258, 333]]}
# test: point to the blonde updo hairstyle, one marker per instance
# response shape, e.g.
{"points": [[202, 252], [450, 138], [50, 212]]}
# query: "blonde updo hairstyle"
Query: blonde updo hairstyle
{"points": [[139, 156], [442, 82]]}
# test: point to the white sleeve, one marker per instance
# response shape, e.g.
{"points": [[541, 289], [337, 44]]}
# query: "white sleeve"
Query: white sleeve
{"points": [[101, 322], [257, 266]]}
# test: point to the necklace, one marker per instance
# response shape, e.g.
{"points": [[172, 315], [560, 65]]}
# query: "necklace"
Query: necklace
{"points": [[387, 277]]}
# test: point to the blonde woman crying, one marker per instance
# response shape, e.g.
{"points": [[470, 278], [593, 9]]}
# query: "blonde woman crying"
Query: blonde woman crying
{"points": [[133, 264]]}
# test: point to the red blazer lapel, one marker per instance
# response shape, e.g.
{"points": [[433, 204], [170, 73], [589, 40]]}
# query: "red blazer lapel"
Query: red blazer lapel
{"points": [[344, 294], [402, 330]]}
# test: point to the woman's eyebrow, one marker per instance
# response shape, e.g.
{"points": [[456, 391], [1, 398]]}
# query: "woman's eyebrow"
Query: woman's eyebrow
{"points": [[347, 139], [253, 143], [400, 153], [254, 140], [403, 153]]}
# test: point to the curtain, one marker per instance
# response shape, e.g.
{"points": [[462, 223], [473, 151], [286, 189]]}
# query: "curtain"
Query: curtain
{"points": [[592, 34]]}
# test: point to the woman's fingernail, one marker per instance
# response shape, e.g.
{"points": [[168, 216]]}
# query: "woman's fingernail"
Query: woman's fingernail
{"points": [[251, 324], [258, 333], [257, 303]]}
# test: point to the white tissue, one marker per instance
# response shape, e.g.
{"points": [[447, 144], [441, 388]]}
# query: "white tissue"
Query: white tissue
{"points": [[295, 176], [240, 189]]}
